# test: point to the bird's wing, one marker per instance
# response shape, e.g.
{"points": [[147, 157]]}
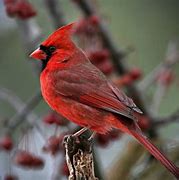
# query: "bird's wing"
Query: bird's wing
{"points": [[87, 85]]}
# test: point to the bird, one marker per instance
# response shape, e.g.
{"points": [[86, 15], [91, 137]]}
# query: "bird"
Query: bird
{"points": [[73, 87]]}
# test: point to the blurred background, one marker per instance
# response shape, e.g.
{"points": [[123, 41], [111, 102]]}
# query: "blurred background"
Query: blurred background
{"points": [[146, 26]]}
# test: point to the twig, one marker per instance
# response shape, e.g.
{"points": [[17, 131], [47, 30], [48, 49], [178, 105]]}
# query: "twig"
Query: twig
{"points": [[18, 105], [55, 11], [157, 98], [8, 96], [20, 116], [79, 158], [149, 79], [30, 33], [172, 57], [160, 122]]}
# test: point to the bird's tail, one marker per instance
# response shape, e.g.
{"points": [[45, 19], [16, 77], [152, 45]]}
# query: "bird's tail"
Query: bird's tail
{"points": [[156, 153]]}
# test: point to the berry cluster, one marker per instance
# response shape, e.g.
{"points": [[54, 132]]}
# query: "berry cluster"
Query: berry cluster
{"points": [[26, 159], [87, 31], [6, 143], [21, 9], [64, 169], [144, 123], [104, 139], [101, 59], [87, 26], [53, 118], [10, 177], [54, 144], [133, 75]]}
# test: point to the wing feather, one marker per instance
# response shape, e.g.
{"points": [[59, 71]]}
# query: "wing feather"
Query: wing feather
{"points": [[94, 90]]}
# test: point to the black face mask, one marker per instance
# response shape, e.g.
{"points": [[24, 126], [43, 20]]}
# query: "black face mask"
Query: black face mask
{"points": [[48, 51]]}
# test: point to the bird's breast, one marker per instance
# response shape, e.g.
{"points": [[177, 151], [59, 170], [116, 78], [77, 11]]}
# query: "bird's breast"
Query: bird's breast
{"points": [[55, 99], [47, 87], [75, 111]]}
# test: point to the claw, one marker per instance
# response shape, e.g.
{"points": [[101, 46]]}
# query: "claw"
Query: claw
{"points": [[81, 131]]}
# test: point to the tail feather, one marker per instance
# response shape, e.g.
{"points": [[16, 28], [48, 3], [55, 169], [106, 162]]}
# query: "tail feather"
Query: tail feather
{"points": [[156, 153]]}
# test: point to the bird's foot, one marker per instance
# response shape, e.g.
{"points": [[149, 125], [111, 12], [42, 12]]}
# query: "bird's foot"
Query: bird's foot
{"points": [[80, 132], [92, 136]]}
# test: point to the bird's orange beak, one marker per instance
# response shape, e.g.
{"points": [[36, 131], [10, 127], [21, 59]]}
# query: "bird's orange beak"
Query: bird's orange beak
{"points": [[38, 54]]}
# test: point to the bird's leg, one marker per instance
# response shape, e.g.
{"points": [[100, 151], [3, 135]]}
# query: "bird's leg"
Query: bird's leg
{"points": [[92, 136], [81, 131]]}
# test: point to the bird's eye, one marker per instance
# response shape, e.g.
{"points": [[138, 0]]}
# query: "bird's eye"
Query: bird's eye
{"points": [[52, 48]]}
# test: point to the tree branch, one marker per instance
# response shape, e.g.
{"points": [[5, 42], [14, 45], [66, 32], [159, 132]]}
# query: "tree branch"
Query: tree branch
{"points": [[19, 117], [18, 105], [172, 57], [55, 11], [160, 122]]}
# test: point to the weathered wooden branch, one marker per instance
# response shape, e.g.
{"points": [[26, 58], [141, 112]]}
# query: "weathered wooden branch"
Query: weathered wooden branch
{"points": [[79, 157]]}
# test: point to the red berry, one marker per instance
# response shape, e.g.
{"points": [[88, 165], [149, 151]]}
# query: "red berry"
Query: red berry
{"points": [[86, 26], [144, 122], [25, 10], [114, 134], [20, 8], [11, 10], [6, 143], [106, 67], [61, 121], [10, 177], [165, 77], [135, 73], [124, 80], [80, 27], [54, 118], [9, 2], [53, 145], [64, 169], [49, 119], [94, 20], [102, 139], [38, 162], [98, 56]]}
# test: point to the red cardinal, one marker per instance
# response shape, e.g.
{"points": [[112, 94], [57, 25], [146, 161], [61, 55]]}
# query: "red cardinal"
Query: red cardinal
{"points": [[79, 91]]}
